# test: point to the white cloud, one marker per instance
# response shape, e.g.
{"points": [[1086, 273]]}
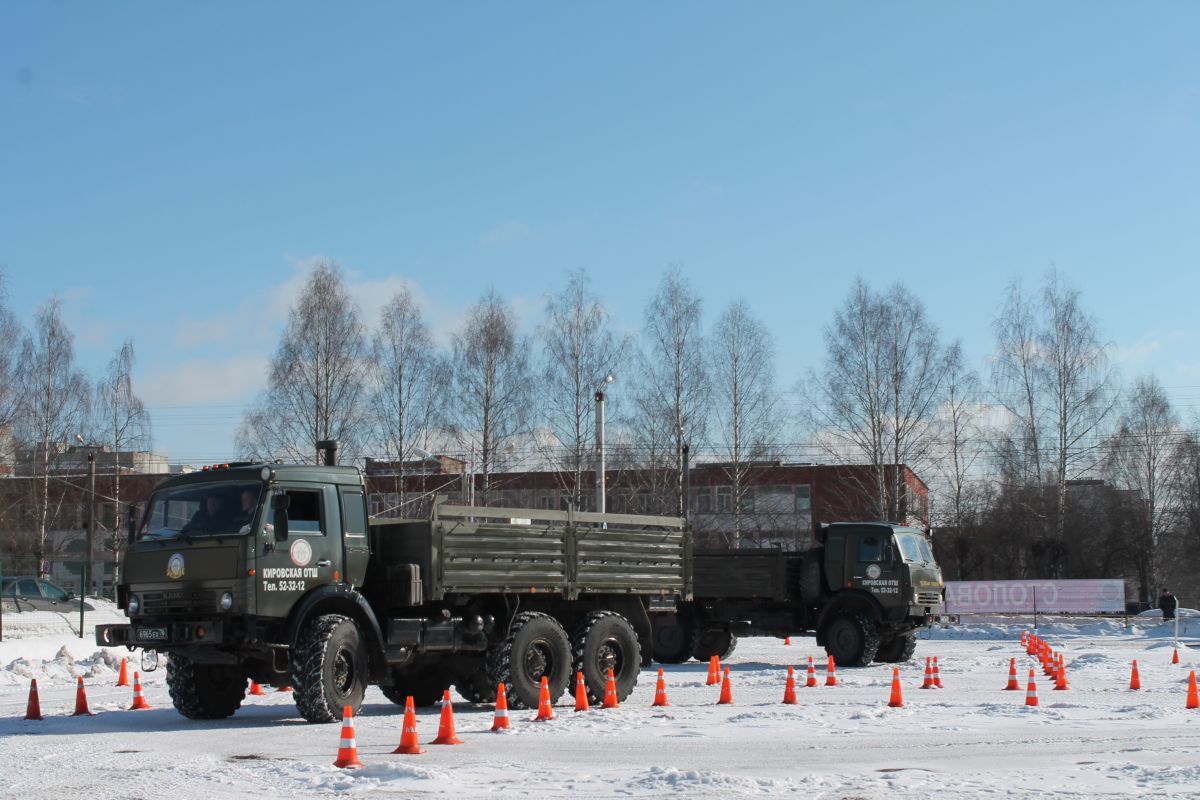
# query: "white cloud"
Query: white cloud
{"points": [[511, 230], [206, 381], [1144, 349]]}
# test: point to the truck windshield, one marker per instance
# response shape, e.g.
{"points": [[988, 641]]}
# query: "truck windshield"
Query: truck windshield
{"points": [[202, 510], [914, 548]]}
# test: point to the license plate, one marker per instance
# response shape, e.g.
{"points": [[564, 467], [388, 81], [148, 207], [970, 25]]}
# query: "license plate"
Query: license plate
{"points": [[150, 634]]}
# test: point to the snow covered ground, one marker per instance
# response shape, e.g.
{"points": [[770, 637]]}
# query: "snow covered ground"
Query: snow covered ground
{"points": [[1098, 739]]}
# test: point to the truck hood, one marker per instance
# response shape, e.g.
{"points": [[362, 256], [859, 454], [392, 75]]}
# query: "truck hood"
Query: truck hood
{"points": [[151, 563]]}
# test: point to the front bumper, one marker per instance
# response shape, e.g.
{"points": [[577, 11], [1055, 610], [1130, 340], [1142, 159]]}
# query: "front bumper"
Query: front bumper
{"points": [[161, 634]]}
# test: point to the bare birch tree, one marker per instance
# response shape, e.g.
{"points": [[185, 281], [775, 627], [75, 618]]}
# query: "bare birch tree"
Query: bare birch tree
{"points": [[122, 424], [10, 348], [880, 387], [54, 407], [672, 395], [745, 410], [579, 350], [960, 445], [315, 389], [410, 377], [491, 384], [1017, 378], [1145, 456]]}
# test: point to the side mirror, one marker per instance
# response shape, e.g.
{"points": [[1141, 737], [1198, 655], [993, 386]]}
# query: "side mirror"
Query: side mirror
{"points": [[280, 504]]}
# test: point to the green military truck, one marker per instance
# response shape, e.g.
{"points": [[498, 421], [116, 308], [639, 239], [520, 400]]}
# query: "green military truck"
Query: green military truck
{"points": [[275, 573], [863, 592]]}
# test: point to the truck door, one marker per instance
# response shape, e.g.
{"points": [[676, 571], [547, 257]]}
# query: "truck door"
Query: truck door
{"points": [[356, 545], [871, 562], [308, 557]]}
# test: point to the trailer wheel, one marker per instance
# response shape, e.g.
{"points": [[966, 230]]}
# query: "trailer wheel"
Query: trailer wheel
{"points": [[329, 668], [715, 642], [605, 640], [204, 691], [424, 685], [536, 646], [851, 639], [675, 641], [476, 686], [898, 649]]}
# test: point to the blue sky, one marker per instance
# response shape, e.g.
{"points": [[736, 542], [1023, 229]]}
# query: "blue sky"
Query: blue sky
{"points": [[170, 169]]}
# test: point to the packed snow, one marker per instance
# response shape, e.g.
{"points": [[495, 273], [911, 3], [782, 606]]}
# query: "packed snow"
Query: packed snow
{"points": [[1097, 739]]}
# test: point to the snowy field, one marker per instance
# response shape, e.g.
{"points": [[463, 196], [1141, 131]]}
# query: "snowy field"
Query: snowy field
{"points": [[1098, 739]]}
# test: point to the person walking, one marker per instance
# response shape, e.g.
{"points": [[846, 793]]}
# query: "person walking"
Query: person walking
{"points": [[1168, 603]]}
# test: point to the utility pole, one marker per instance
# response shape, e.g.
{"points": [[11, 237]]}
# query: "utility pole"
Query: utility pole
{"points": [[86, 572], [600, 466]]}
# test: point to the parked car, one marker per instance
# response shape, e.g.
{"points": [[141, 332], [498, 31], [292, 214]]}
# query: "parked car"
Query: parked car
{"points": [[37, 594]]}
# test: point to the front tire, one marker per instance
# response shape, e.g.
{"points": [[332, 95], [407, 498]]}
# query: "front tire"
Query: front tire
{"points": [[204, 691], [330, 668], [851, 639], [605, 640], [536, 647]]}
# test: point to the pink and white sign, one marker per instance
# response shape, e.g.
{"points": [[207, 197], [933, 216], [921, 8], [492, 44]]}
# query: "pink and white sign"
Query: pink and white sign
{"points": [[1025, 597]]}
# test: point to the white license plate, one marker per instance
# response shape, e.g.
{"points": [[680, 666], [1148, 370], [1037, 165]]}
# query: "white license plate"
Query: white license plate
{"points": [[150, 634]]}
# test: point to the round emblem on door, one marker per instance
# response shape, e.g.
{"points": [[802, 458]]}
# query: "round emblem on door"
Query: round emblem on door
{"points": [[175, 566], [873, 571], [301, 553]]}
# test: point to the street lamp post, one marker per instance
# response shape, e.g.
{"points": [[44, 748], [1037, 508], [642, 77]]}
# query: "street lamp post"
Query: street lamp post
{"points": [[600, 504]]}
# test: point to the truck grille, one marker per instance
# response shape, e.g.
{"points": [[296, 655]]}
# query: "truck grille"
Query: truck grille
{"points": [[179, 602], [929, 598]]}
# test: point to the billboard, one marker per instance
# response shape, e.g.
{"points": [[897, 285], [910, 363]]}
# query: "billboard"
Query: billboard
{"points": [[1026, 597]]}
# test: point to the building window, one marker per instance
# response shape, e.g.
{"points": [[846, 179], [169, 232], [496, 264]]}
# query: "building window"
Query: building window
{"points": [[703, 500], [724, 499], [746, 501], [803, 499]]}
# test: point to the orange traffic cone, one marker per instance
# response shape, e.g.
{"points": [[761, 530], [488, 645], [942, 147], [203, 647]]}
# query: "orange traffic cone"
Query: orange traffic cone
{"points": [[500, 723], [545, 707], [714, 671], [1175, 656], [139, 702], [255, 689], [81, 706], [347, 757], [812, 674], [410, 745], [937, 675], [928, 684], [1031, 691], [660, 691], [1135, 680], [1193, 699], [33, 710], [610, 691], [830, 674], [789, 690], [897, 699], [1024, 638], [1013, 685], [446, 734], [787, 640], [1060, 676], [581, 698], [285, 688], [123, 675], [726, 698]]}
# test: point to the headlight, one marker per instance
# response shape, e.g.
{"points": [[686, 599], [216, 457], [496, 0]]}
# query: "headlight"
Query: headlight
{"points": [[135, 605], [226, 601]]}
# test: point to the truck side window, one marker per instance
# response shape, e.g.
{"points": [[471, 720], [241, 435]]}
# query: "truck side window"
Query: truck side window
{"points": [[304, 511], [354, 516], [870, 549]]}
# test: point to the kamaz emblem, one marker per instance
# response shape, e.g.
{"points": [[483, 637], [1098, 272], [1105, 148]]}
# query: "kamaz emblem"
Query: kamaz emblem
{"points": [[175, 566]]}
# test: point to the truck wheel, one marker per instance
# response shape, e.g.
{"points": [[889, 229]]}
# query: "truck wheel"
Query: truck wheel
{"points": [[851, 639], [204, 691], [424, 685], [898, 649], [329, 668], [476, 686], [674, 642], [536, 646], [605, 640], [715, 643]]}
